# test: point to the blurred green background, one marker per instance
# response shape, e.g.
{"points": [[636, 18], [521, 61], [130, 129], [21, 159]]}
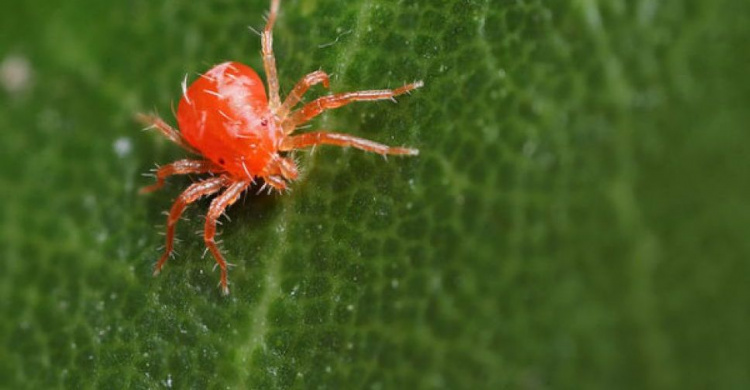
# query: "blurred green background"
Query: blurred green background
{"points": [[578, 217]]}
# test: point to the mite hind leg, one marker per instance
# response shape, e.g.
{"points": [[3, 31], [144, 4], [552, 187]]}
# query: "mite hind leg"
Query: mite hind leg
{"points": [[269, 61], [154, 122], [218, 205]]}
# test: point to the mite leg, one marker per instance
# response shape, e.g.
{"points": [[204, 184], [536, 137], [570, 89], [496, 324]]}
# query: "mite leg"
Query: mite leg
{"points": [[299, 90], [269, 61], [154, 122], [180, 167], [338, 139], [317, 106], [190, 195], [218, 205], [275, 182]]}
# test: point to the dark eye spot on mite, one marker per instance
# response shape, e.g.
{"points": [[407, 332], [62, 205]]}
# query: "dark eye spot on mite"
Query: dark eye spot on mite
{"points": [[264, 122], [221, 161]]}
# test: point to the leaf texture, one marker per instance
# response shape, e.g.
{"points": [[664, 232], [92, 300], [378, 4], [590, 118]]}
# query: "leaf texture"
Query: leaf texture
{"points": [[577, 217]]}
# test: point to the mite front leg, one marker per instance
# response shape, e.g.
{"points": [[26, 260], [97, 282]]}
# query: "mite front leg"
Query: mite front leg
{"points": [[339, 139], [317, 106], [180, 167], [154, 122], [218, 205], [269, 61], [275, 182], [299, 90], [190, 195]]}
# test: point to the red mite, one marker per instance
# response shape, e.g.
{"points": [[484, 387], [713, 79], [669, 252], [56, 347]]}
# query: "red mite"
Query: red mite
{"points": [[241, 135]]}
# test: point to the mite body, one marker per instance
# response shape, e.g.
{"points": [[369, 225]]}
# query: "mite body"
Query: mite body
{"points": [[240, 136]]}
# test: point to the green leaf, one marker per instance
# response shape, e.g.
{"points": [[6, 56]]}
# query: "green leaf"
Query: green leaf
{"points": [[577, 217]]}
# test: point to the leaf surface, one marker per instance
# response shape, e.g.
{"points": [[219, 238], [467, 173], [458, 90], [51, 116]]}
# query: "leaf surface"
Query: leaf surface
{"points": [[577, 216]]}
